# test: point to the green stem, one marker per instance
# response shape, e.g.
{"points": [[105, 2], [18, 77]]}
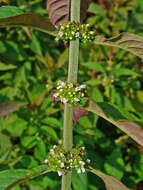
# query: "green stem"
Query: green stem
{"points": [[72, 77]]}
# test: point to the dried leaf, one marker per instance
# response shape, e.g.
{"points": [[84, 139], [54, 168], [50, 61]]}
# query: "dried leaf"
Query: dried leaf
{"points": [[9, 107], [114, 116], [29, 19], [59, 10], [111, 183], [127, 41]]}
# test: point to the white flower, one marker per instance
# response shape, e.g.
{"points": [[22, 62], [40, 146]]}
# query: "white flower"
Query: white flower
{"points": [[60, 173], [54, 146], [56, 26], [76, 99], [56, 39], [83, 148], [58, 87], [59, 82], [51, 151], [79, 171], [63, 83], [62, 165], [60, 34], [70, 85], [91, 32], [55, 95], [82, 86], [83, 170], [82, 163], [61, 154], [77, 89], [77, 34], [64, 100], [62, 27], [46, 161], [88, 161]]}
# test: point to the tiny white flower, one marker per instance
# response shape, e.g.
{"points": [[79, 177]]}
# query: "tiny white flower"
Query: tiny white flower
{"points": [[77, 89], [56, 39], [73, 33], [46, 161], [76, 99], [70, 85], [83, 148], [56, 26], [82, 86], [79, 171], [64, 100], [71, 160], [77, 34], [63, 83], [70, 164], [67, 167], [83, 170], [60, 173], [59, 82], [60, 34], [62, 165], [58, 87], [62, 27], [55, 95], [91, 32], [61, 154], [51, 151], [54, 146], [82, 163], [88, 161], [59, 161]]}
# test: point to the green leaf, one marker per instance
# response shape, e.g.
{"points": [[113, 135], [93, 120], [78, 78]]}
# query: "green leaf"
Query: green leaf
{"points": [[28, 19], [127, 41], [40, 150], [111, 183], [11, 178], [117, 118], [8, 11], [93, 66], [124, 72], [114, 165], [96, 9], [79, 181], [4, 67]]}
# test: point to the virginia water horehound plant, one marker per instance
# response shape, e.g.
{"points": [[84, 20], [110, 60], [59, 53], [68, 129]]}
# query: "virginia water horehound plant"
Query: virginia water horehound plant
{"points": [[66, 25]]}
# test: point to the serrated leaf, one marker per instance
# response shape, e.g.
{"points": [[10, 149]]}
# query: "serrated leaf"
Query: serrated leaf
{"points": [[111, 183], [9, 107], [117, 118], [59, 10], [34, 20], [127, 41], [11, 178]]}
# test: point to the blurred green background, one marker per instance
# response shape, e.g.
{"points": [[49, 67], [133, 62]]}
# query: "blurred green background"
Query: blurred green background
{"points": [[30, 60]]}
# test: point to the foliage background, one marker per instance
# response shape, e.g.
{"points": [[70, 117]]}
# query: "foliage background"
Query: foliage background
{"points": [[30, 60]]}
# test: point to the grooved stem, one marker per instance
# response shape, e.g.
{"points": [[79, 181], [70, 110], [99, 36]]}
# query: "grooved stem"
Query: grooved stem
{"points": [[72, 77]]}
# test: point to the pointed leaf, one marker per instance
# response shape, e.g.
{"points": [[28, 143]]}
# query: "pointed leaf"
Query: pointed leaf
{"points": [[118, 118], [59, 10], [11, 178], [5, 67], [111, 183], [127, 41], [7, 11], [28, 19], [9, 107]]}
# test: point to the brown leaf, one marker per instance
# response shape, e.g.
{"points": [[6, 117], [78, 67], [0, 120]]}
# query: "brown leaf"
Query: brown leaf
{"points": [[59, 10], [28, 19], [9, 107], [127, 41]]}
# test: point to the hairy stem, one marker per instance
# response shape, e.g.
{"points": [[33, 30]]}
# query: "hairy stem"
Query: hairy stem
{"points": [[72, 77]]}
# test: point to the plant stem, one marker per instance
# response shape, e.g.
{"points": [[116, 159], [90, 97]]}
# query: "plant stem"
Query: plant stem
{"points": [[72, 77]]}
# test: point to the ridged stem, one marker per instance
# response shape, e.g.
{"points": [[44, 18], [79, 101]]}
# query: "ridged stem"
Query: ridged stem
{"points": [[72, 77]]}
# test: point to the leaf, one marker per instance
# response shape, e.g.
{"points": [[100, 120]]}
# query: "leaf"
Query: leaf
{"points": [[9, 107], [78, 113], [34, 20], [127, 41], [117, 118], [111, 183], [79, 181], [114, 164], [59, 10], [94, 66], [11, 178], [8, 11], [4, 67]]}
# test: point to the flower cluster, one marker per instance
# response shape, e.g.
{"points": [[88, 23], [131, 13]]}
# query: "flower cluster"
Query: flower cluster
{"points": [[71, 31], [61, 161], [70, 93]]}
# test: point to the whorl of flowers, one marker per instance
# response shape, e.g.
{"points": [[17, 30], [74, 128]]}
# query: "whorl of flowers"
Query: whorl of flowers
{"points": [[70, 93], [71, 31], [61, 161]]}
